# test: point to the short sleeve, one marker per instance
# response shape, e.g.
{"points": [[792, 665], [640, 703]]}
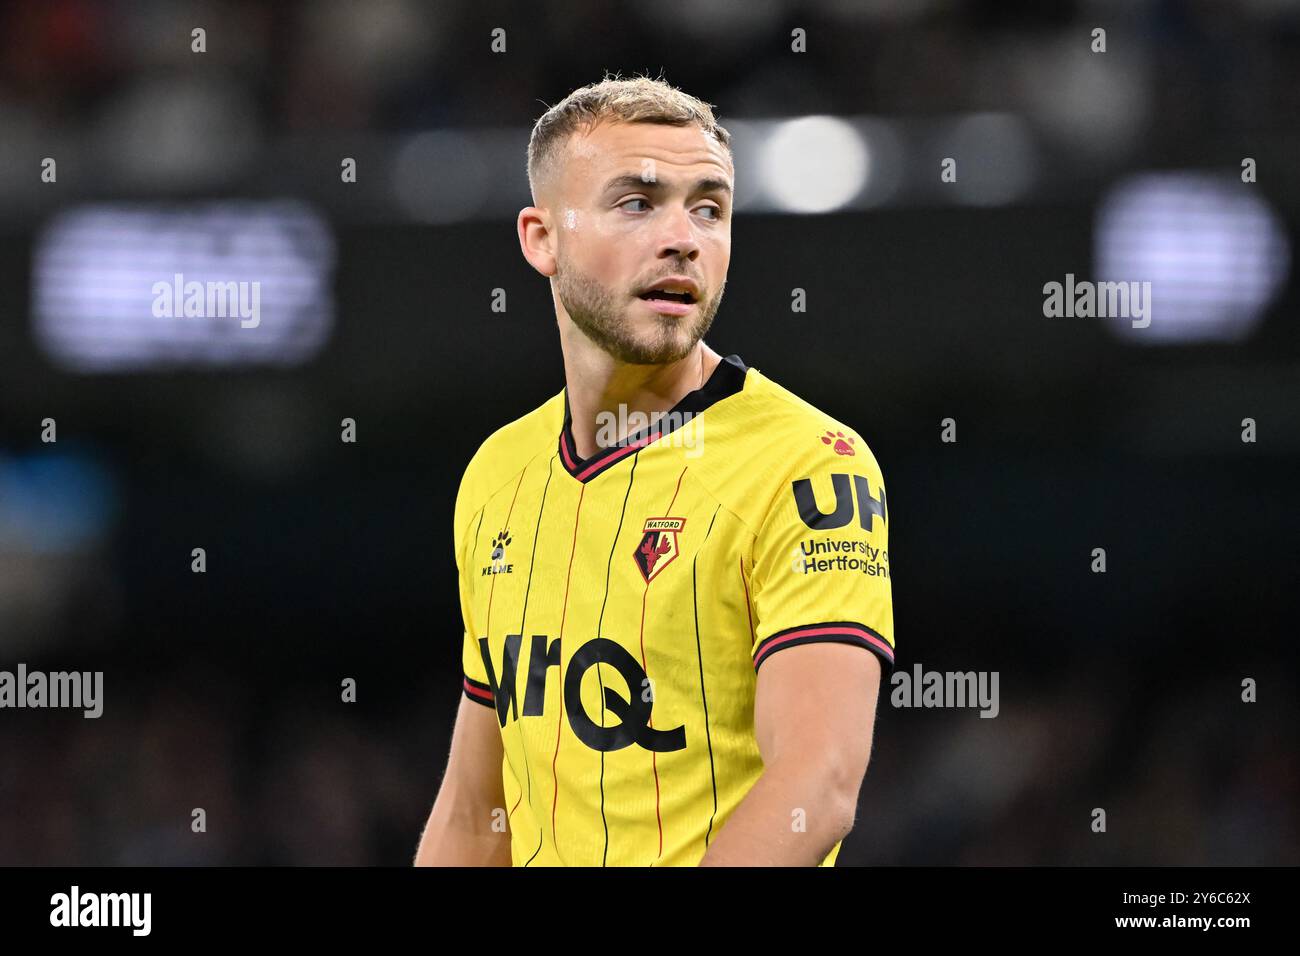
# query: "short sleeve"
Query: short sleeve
{"points": [[821, 559]]}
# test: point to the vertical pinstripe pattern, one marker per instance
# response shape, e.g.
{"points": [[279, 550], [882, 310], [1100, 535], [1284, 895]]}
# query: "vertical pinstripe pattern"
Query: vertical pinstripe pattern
{"points": [[492, 590], [559, 724], [645, 666], [600, 633], [699, 656], [532, 559]]}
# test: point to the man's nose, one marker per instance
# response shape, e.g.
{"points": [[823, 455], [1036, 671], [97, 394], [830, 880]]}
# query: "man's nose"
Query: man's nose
{"points": [[679, 237]]}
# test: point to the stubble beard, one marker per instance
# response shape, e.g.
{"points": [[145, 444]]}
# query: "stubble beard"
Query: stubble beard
{"points": [[605, 318]]}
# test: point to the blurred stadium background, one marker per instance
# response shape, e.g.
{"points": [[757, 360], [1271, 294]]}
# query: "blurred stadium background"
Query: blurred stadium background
{"points": [[329, 560]]}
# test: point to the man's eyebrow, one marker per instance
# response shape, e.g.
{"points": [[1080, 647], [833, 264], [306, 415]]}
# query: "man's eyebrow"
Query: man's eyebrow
{"points": [[633, 181]]}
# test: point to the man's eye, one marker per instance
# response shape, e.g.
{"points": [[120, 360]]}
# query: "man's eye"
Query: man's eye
{"points": [[625, 204], [717, 213]]}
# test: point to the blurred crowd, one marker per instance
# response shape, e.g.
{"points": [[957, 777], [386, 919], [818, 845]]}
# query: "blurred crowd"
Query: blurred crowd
{"points": [[301, 779], [1171, 70]]}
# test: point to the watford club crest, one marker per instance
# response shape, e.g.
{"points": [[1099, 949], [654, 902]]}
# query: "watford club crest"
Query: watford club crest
{"points": [[658, 545]]}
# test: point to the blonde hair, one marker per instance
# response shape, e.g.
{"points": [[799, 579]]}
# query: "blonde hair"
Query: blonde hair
{"points": [[637, 100]]}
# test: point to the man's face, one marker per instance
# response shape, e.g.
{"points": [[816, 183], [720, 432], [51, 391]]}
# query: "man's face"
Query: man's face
{"points": [[638, 203]]}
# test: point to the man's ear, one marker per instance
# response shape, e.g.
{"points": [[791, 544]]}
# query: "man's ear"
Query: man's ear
{"points": [[537, 239]]}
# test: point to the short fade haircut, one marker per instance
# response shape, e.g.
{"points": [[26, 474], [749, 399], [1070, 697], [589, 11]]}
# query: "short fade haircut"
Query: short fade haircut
{"points": [[637, 100]]}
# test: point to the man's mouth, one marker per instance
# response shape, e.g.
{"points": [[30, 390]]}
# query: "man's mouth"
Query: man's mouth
{"points": [[665, 296]]}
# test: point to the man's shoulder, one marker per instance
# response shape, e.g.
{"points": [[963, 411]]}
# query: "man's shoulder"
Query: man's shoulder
{"points": [[506, 452], [770, 422], [786, 409], [770, 437]]}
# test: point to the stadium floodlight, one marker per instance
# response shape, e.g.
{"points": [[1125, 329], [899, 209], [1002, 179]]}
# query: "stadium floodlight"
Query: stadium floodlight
{"points": [[1213, 249], [133, 286], [814, 164]]}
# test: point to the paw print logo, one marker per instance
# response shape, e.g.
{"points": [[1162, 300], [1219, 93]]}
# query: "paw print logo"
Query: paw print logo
{"points": [[843, 443], [499, 547]]}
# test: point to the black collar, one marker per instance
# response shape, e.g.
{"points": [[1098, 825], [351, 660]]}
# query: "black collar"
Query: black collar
{"points": [[727, 378]]}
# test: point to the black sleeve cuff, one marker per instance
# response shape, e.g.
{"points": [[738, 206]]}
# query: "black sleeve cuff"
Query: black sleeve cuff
{"points": [[836, 632], [479, 693]]}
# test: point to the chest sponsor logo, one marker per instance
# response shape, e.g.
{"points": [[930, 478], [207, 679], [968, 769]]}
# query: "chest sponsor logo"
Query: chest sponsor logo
{"points": [[633, 714], [658, 546]]}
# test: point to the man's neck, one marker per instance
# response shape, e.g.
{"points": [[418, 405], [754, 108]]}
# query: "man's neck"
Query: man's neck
{"points": [[596, 383]]}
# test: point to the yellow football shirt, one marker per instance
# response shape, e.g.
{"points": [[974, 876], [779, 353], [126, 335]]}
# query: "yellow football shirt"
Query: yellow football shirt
{"points": [[617, 609]]}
